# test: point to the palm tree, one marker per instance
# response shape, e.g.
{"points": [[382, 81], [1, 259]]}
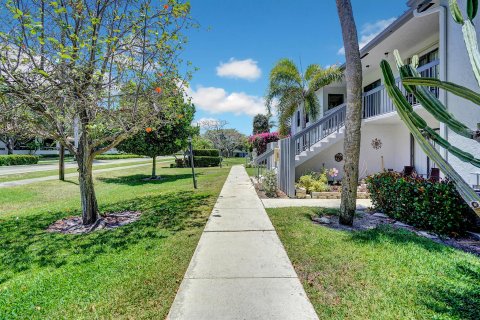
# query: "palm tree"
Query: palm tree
{"points": [[353, 119], [292, 89]]}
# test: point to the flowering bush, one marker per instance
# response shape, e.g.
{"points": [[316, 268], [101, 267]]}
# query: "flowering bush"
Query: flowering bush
{"points": [[269, 183], [260, 141], [423, 203]]}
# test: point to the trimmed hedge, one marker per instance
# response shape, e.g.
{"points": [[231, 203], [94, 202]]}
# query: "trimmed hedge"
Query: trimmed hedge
{"points": [[117, 156], [18, 159], [423, 203], [206, 161], [206, 153]]}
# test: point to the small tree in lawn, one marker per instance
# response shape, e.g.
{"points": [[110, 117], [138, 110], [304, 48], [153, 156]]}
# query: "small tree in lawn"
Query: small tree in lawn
{"points": [[261, 123], [167, 135], [104, 65]]}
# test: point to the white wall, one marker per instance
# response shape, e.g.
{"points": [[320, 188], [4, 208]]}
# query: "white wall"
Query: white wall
{"points": [[395, 151]]}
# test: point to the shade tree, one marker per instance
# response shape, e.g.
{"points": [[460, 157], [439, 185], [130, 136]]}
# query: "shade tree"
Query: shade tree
{"points": [[107, 67]]}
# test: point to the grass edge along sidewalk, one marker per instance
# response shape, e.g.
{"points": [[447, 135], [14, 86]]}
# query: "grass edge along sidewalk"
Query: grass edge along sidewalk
{"points": [[130, 272]]}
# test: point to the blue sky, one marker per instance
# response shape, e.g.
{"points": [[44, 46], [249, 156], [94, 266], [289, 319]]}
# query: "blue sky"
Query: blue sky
{"points": [[239, 42]]}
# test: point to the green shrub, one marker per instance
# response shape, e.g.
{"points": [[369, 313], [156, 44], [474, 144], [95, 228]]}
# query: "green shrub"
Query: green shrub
{"points": [[423, 203], [269, 183], [306, 181], [206, 161], [206, 153], [180, 163], [18, 159], [53, 156], [117, 156], [316, 182]]}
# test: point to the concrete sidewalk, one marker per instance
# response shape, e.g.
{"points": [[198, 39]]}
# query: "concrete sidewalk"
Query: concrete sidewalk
{"points": [[240, 269], [362, 204]]}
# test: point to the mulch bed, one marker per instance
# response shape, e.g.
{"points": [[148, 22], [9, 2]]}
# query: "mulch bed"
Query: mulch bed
{"points": [[73, 225], [365, 221]]}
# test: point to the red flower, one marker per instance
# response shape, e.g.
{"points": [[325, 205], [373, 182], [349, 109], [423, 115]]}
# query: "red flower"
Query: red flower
{"points": [[148, 130], [158, 90], [165, 7]]}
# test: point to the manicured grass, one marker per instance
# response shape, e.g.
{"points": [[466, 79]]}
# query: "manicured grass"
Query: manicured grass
{"points": [[232, 161], [47, 173], [131, 272], [378, 274]]}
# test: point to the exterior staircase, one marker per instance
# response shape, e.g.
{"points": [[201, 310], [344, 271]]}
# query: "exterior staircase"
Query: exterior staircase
{"points": [[287, 154], [319, 146]]}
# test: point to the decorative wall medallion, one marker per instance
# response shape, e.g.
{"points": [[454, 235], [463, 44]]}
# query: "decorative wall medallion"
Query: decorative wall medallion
{"points": [[339, 157], [376, 144]]}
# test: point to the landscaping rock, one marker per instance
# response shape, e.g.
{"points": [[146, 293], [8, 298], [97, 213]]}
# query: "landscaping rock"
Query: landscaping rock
{"points": [[301, 193], [380, 215], [427, 235], [474, 235], [322, 220], [402, 225], [316, 195]]}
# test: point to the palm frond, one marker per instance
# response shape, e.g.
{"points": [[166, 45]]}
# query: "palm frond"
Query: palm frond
{"points": [[323, 77], [312, 105]]}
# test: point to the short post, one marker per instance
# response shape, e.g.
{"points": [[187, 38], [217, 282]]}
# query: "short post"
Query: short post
{"points": [[191, 162]]}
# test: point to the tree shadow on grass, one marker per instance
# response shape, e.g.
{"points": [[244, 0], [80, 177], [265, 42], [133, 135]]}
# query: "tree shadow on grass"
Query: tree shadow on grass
{"points": [[459, 301], [386, 233], [25, 242], [141, 179], [457, 295]]}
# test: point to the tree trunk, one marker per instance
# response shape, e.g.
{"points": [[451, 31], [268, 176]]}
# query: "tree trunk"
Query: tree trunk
{"points": [[10, 145], [61, 163], [353, 75], [154, 168], [85, 178]]}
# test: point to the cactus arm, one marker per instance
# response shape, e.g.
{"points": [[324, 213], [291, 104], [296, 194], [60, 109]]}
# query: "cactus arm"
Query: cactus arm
{"points": [[403, 109], [472, 8], [455, 10], [469, 33], [445, 85], [470, 38], [430, 102]]}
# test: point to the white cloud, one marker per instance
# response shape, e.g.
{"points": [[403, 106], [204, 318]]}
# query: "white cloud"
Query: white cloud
{"points": [[369, 31], [217, 100], [239, 69]]}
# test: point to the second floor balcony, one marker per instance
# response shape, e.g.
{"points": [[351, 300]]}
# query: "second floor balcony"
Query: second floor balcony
{"points": [[376, 102]]}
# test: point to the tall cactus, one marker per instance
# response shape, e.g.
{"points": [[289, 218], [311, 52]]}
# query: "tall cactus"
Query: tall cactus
{"points": [[415, 84], [419, 129], [468, 30]]}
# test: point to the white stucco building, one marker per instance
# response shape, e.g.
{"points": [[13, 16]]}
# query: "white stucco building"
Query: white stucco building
{"points": [[426, 29]]}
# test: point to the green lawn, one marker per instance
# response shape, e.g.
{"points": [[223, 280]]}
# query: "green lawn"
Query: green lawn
{"points": [[380, 273], [131, 272], [47, 173]]}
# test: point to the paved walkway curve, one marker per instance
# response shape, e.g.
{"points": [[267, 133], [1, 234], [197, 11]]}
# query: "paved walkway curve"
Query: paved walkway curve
{"points": [[240, 269]]}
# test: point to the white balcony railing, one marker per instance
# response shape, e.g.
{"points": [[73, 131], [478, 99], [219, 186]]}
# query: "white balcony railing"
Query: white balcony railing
{"points": [[377, 102]]}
